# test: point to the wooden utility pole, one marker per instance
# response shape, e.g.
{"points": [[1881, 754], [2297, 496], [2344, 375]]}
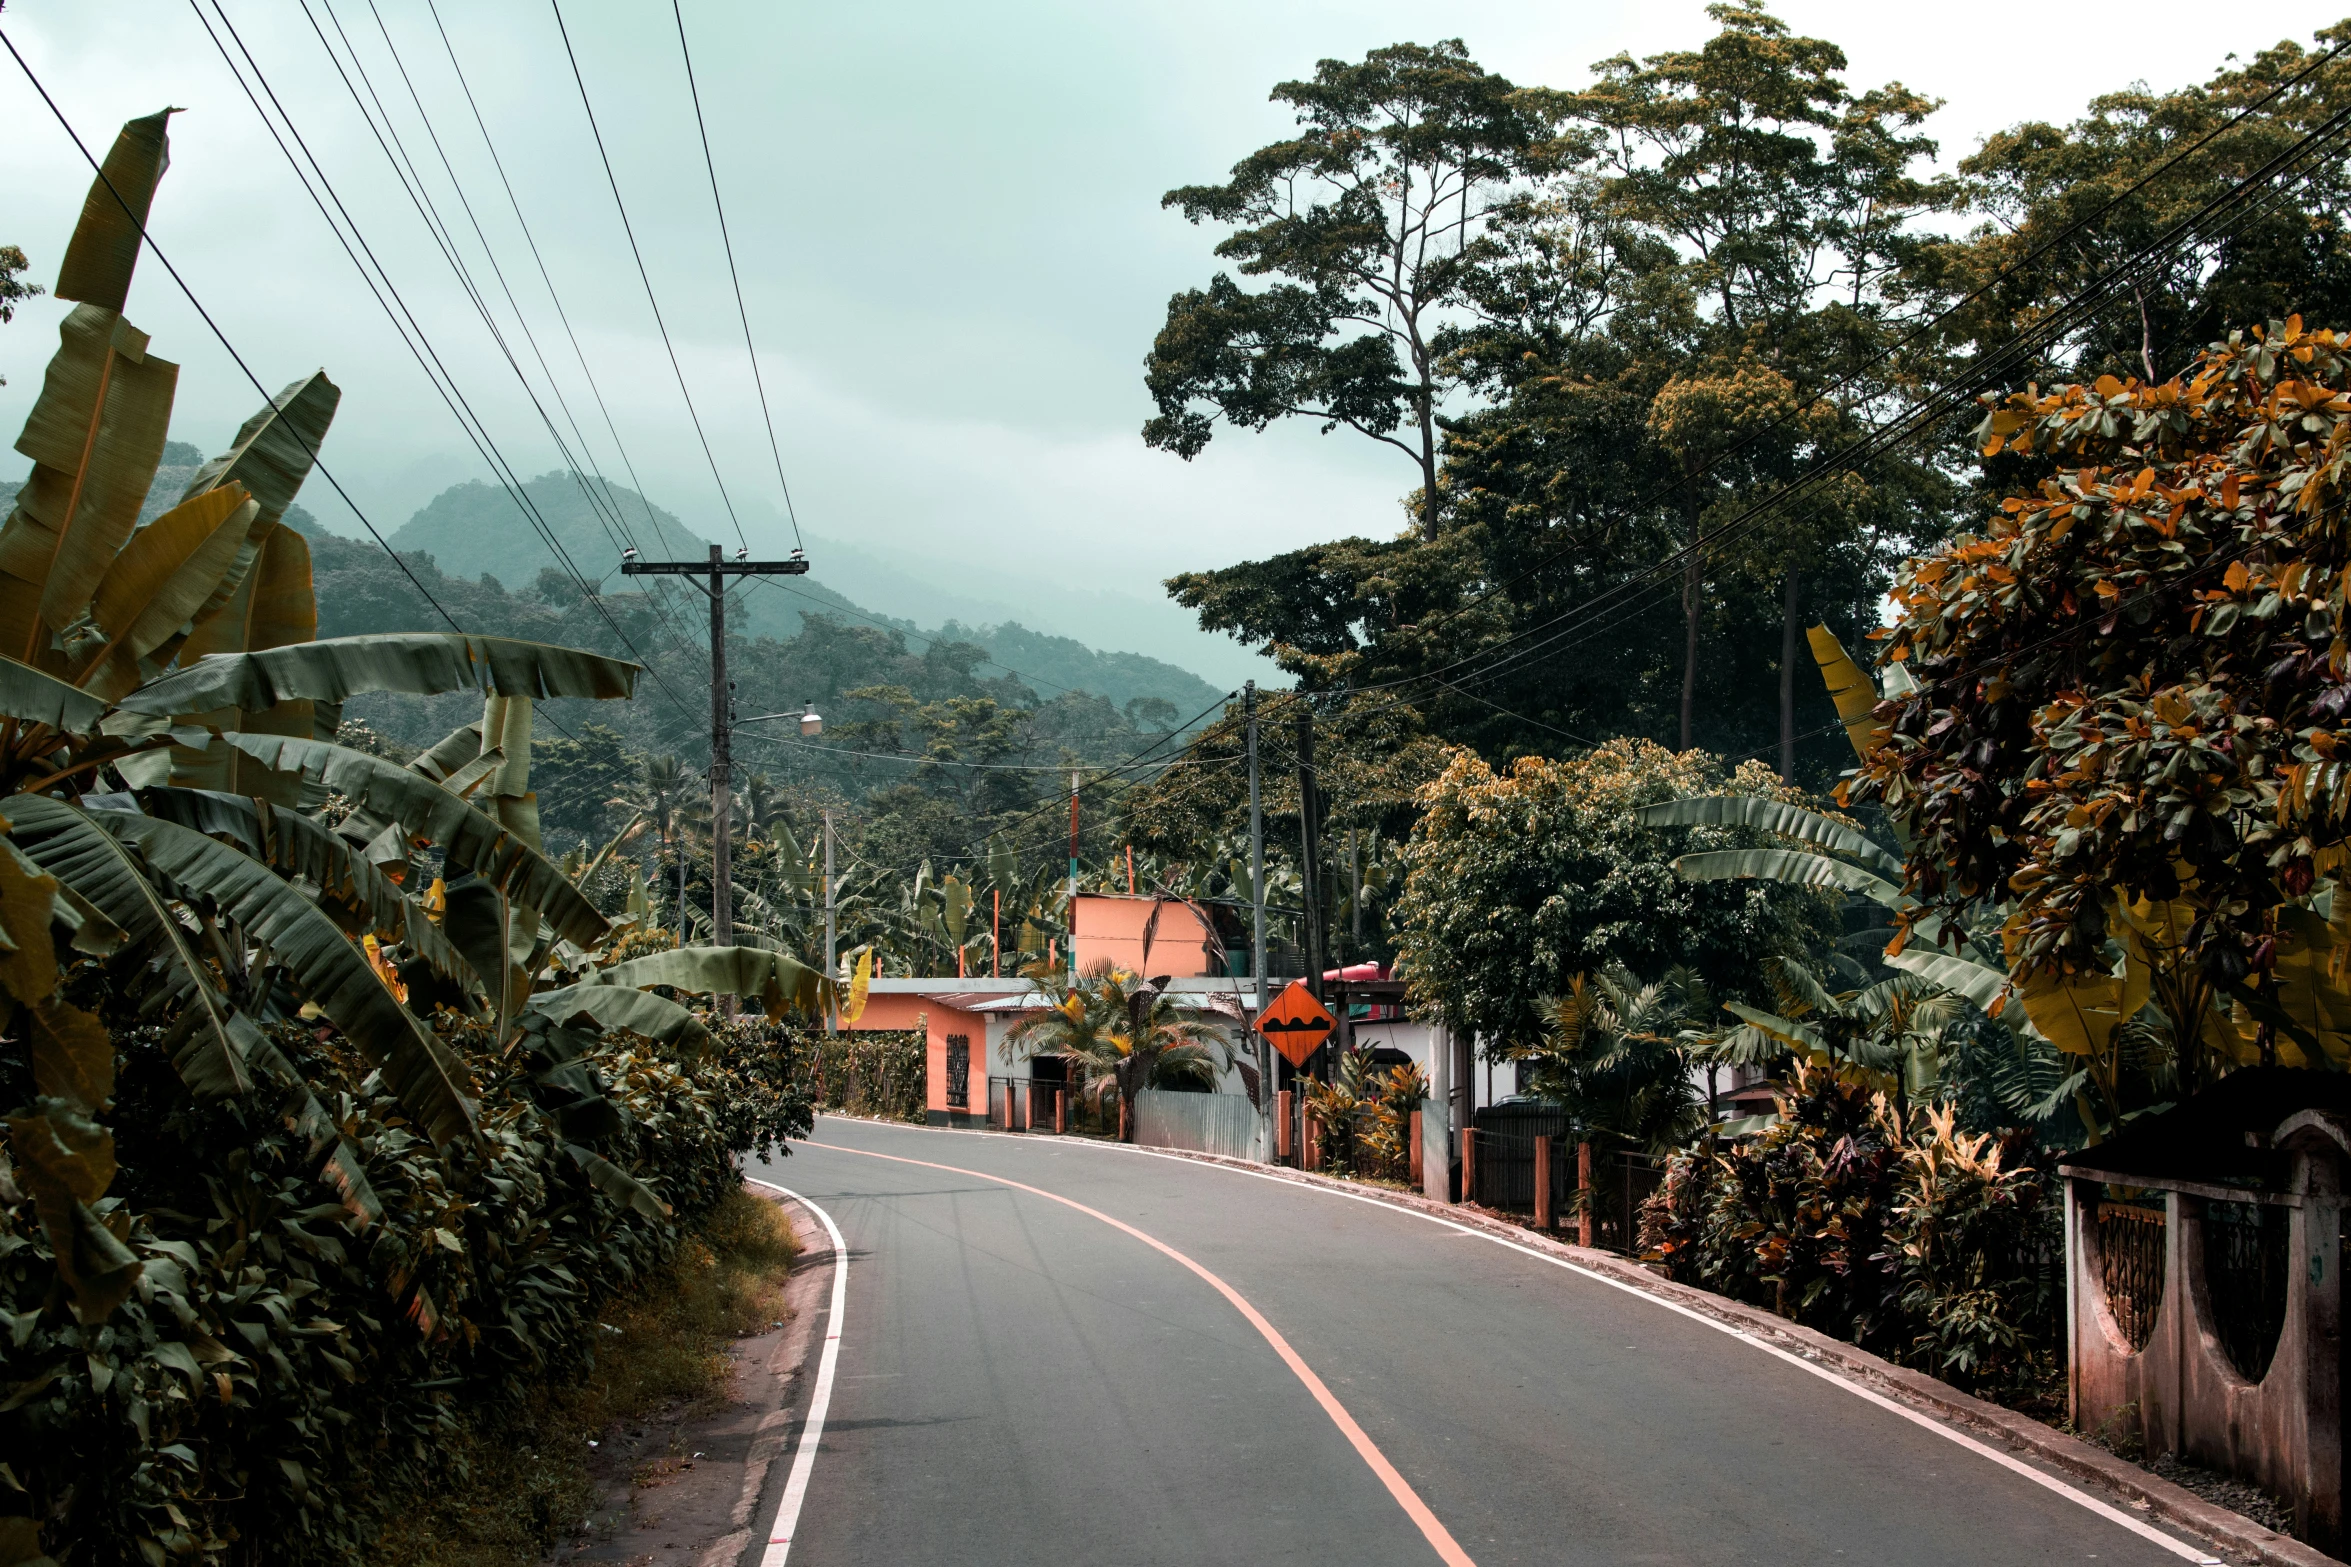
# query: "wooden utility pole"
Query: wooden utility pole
{"points": [[1310, 855], [1269, 1069], [832, 964], [722, 880]]}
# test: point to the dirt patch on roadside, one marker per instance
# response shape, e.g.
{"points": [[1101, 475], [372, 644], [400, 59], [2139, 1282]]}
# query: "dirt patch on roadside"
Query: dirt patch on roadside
{"points": [[691, 1481], [539, 1474]]}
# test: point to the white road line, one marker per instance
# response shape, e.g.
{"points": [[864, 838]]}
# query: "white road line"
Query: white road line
{"points": [[2106, 1510], [779, 1538]]}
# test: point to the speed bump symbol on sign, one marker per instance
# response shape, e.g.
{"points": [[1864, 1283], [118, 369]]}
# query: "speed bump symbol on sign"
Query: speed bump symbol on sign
{"points": [[1296, 1024]]}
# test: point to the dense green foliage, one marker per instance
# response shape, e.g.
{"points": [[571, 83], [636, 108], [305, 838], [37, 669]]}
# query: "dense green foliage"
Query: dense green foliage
{"points": [[286, 1371], [1520, 881], [2122, 706], [879, 1072], [1918, 1241]]}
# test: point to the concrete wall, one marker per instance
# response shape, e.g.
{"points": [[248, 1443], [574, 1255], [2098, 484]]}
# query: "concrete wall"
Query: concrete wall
{"points": [[1111, 928], [2181, 1391]]}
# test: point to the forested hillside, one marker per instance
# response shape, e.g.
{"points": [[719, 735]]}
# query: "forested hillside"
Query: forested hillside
{"points": [[473, 528]]}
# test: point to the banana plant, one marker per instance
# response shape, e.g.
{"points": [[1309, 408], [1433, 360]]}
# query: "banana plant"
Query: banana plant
{"points": [[167, 723]]}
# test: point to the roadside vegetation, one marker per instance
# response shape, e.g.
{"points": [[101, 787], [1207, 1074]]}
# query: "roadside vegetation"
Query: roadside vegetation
{"points": [[341, 1114], [519, 1475]]}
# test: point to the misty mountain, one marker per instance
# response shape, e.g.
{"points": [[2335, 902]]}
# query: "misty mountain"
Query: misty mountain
{"points": [[473, 529]]}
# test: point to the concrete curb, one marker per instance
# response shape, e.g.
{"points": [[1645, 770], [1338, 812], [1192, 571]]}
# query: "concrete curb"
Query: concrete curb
{"points": [[2146, 1492]]}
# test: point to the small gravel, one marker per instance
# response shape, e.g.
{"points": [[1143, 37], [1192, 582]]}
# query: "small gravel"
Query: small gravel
{"points": [[2238, 1496]]}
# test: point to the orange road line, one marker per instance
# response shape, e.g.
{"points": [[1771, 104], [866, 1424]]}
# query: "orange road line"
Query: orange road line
{"points": [[1448, 1550]]}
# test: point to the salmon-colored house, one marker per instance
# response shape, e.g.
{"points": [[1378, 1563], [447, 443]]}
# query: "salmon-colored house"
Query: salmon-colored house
{"points": [[965, 1020]]}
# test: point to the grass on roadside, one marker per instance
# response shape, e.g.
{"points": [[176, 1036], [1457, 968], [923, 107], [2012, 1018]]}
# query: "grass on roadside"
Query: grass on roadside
{"points": [[525, 1474]]}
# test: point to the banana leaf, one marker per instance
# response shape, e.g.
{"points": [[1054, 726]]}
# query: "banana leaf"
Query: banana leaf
{"points": [[1791, 866], [104, 250], [162, 577], [426, 810], [421, 662], [36, 698], [1978, 982], [458, 747], [616, 1007], [778, 980], [95, 436], [323, 963], [481, 922], [617, 1183], [216, 1042], [273, 608], [274, 450], [1790, 821], [1850, 688], [363, 899], [1803, 1036]]}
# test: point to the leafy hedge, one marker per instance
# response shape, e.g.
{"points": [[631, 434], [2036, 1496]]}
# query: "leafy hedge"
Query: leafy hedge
{"points": [[882, 1072], [284, 1373], [1919, 1242]]}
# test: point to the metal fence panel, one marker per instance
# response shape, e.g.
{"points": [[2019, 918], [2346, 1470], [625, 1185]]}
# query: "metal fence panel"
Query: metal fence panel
{"points": [[1226, 1124]]}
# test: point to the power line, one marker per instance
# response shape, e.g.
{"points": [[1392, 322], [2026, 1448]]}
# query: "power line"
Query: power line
{"points": [[914, 760], [421, 347], [1926, 414], [148, 240], [607, 513], [412, 184], [642, 275], [644, 498], [933, 640], [2084, 222], [743, 314]]}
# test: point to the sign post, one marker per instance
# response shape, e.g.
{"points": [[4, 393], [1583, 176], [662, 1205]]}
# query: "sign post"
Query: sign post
{"points": [[1296, 1023]]}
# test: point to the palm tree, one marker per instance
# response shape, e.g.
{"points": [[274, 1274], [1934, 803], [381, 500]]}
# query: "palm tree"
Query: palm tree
{"points": [[1611, 1055], [1892, 1035], [664, 791], [758, 806], [1122, 1033]]}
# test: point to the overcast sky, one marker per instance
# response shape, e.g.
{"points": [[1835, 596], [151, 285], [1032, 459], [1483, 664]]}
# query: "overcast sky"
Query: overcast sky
{"points": [[948, 221]]}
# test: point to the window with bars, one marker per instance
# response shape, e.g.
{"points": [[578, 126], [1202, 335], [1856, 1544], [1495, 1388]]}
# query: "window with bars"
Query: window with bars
{"points": [[959, 1071]]}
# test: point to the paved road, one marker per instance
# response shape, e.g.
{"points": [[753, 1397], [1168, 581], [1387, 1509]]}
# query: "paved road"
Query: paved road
{"points": [[1022, 1382]]}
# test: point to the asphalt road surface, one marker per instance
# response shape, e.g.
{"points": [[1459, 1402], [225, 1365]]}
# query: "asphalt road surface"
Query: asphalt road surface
{"points": [[1020, 1381]]}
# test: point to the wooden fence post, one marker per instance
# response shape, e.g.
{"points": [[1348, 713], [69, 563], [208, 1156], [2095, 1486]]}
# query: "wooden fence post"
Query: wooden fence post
{"points": [[1414, 1135], [1583, 1186], [1543, 1184], [1469, 1164], [1061, 1110], [1122, 1119], [1009, 1110], [1281, 1126]]}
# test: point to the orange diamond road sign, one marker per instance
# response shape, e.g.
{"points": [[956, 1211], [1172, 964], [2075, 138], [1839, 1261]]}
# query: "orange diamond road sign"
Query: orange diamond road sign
{"points": [[1296, 1023]]}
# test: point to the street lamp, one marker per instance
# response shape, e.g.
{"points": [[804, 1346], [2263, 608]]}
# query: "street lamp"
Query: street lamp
{"points": [[811, 721]]}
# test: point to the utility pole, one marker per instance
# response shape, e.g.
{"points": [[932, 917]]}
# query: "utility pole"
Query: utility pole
{"points": [[1073, 877], [832, 966], [1268, 1072], [1310, 851], [722, 879], [1256, 852]]}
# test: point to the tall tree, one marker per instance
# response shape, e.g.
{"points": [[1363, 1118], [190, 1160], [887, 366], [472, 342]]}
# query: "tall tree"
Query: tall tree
{"points": [[1785, 198], [13, 288], [1665, 324], [1371, 216], [2065, 204]]}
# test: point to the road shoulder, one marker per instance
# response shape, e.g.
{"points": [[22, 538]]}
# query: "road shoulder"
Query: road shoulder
{"points": [[2122, 1483], [699, 1489]]}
